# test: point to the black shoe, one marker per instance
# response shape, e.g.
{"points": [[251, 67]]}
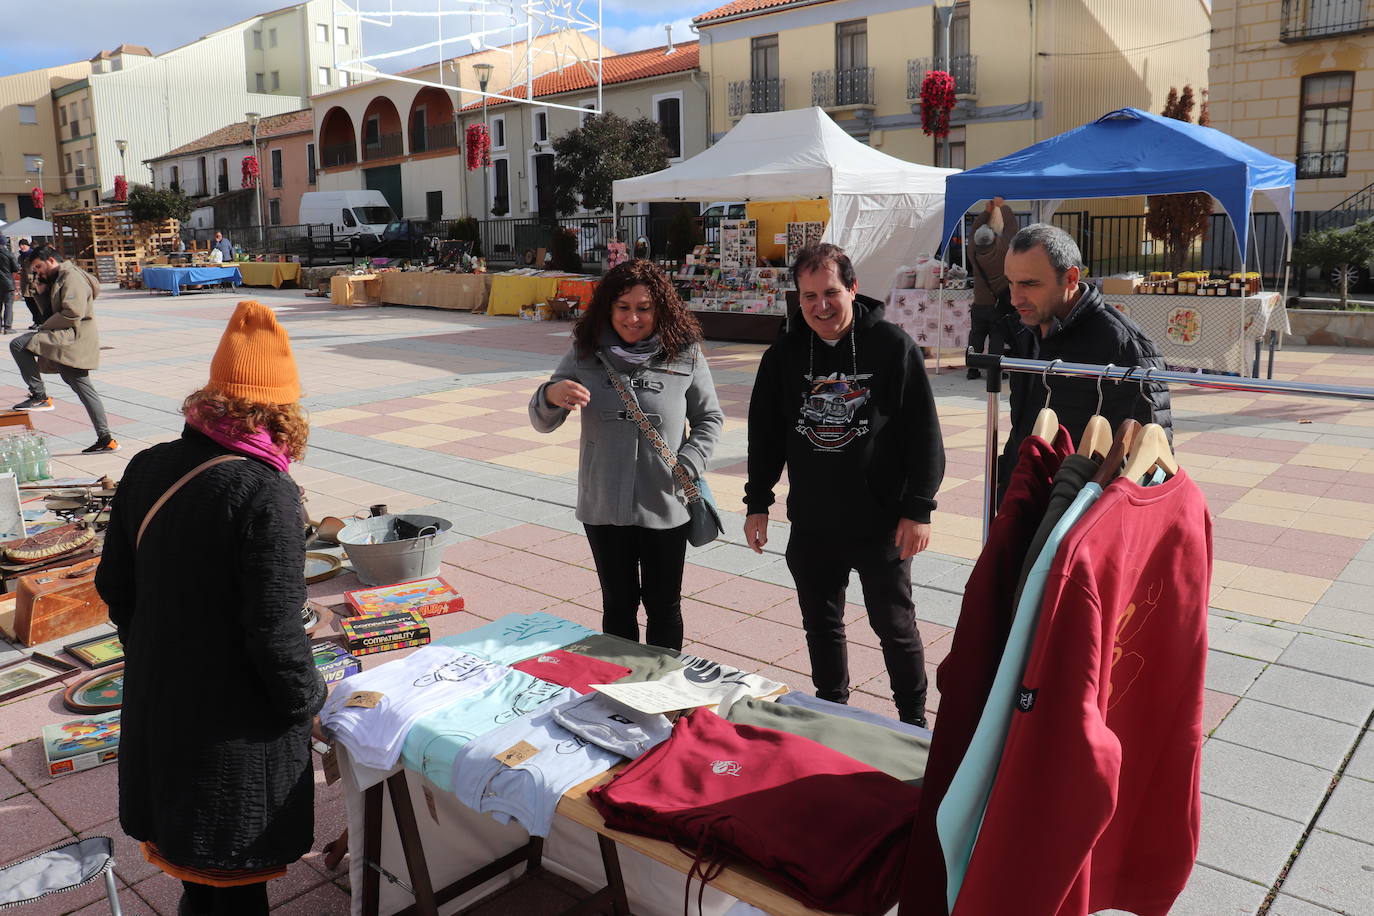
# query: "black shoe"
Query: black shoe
{"points": [[34, 404], [105, 444], [974, 373], [34, 327], [919, 722]]}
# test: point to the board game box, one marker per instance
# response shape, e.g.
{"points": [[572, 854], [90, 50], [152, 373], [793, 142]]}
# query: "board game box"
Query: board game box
{"points": [[333, 660], [378, 633], [80, 744], [430, 597]]}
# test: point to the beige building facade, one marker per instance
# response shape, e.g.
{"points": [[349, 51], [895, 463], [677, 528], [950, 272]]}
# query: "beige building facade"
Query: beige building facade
{"points": [[1024, 71], [402, 137], [1295, 78], [29, 132]]}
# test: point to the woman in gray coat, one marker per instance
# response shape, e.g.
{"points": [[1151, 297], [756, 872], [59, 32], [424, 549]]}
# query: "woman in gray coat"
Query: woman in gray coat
{"points": [[634, 512]]}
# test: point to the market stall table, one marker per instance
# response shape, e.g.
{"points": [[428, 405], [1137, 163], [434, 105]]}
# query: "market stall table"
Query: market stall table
{"points": [[270, 273], [580, 289], [174, 279], [935, 318], [1209, 332], [436, 289], [510, 291], [354, 290]]}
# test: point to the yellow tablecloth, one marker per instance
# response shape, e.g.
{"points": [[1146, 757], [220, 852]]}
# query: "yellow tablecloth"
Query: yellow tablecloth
{"points": [[509, 292], [362, 289], [437, 289], [270, 273], [581, 290]]}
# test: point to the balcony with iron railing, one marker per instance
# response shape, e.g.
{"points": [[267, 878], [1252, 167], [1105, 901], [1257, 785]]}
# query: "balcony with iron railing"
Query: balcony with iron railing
{"points": [[1309, 20], [443, 135], [751, 96], [386, 146], [1330, 164], [851, 87], [338, 154], [963, 67]]}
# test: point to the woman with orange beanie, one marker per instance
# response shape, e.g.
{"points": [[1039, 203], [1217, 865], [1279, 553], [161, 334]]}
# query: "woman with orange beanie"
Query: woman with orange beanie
{"points": [[203, 570]]}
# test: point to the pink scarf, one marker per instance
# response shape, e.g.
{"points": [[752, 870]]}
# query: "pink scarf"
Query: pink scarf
{"points": [[254, 445]]}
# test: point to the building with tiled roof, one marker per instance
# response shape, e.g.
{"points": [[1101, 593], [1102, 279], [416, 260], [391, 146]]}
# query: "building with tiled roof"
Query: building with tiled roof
{"points": [[742, 8], [618, 68], [213, 164]]}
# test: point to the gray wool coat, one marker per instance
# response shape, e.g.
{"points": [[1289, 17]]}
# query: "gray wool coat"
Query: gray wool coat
{"points": [[621, 480]]}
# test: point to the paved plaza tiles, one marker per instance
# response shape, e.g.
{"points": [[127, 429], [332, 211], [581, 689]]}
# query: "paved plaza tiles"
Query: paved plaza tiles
{"points": [[425, 409]]}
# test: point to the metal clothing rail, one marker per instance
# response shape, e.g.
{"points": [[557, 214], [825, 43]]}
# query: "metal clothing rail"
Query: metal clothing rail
{"points": [[994, 366]]}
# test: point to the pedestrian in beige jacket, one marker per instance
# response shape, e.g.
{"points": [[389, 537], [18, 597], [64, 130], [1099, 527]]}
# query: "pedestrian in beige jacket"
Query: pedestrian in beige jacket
{"points": [[67, 342]]}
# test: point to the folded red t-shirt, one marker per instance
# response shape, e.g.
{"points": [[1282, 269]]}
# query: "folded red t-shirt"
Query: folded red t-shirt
{"points": [[831, 831], [568, 669]]}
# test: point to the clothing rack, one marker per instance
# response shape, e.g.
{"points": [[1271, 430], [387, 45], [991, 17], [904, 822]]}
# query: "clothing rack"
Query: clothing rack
{"points": [[995, 365]]}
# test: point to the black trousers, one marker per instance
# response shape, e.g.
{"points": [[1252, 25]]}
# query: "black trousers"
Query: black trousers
{"points": [[986, 326], [640, 564], [820, 565], [203, 900], [6, 307], [34, 309]]}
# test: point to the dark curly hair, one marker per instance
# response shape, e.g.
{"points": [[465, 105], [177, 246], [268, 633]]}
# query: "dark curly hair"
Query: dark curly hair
{"points": [[675, 325]]}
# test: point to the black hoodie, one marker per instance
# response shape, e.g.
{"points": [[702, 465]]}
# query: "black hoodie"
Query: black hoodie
{"points": [[855, 425]]}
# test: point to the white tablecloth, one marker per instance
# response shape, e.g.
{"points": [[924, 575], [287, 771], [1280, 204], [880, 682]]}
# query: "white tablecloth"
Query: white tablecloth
{"points": [[1206, 332]]}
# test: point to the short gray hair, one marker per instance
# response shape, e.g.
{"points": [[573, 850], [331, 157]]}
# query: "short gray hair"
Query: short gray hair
{"points": [[1059, 246]]}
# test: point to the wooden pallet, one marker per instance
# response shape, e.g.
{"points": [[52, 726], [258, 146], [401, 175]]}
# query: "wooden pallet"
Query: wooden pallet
{"points": [[106, 242]]}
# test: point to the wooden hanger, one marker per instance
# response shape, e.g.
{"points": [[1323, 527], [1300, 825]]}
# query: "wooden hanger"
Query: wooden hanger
{"points": [[1151, 448], [1116, 453], [1046, 421], [1097, 435]]}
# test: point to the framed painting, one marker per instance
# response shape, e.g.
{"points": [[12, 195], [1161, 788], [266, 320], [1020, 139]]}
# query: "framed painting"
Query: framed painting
{"points": [[98, 651], [99, 691], [28, 674]]}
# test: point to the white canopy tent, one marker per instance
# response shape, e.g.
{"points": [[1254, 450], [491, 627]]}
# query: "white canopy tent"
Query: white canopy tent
{"points": [[27, 227], [884, 211]]}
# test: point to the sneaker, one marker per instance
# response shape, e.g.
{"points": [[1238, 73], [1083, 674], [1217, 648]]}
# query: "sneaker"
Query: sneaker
{"points": [[974, 373], [34, 404], [106, 444]]}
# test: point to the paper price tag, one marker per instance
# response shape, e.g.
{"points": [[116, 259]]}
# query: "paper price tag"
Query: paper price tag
{"points": [[329, 762], [366, 699], [518, 754], [429, 803]]}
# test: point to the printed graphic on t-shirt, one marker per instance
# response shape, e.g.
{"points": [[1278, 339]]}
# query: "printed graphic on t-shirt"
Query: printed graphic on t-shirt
{"points": [[1126, 663], [455, 671], [529, 699], [725, 767], [706, 672], [829, 410], [531, 626]]}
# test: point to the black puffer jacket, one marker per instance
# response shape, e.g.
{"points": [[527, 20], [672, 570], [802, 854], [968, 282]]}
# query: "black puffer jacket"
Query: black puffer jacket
{"points": [[1096, 333], [219, 685]]}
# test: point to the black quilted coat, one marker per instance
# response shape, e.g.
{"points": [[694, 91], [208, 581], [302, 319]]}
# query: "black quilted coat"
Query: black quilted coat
{"points": [[219, 685]]}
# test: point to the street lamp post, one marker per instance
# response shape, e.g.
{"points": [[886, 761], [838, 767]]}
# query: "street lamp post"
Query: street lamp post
{"points": [[253, 119], [945, 10], [43, 207], [483, 73], [122, 146]]}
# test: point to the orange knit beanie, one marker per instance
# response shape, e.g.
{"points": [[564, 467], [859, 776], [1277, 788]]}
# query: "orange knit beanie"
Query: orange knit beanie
{"points": [[254, 358]]}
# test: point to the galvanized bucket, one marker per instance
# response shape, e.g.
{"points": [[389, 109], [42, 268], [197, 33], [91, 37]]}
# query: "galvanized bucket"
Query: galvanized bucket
{"points": [[386, 549]]}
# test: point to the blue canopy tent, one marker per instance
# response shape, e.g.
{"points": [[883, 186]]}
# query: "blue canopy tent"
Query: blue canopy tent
{"points": [[1131, 152]]}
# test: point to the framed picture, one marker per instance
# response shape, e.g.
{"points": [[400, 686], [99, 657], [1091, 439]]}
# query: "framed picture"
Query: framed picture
{"points": [[99, 691], [98, 651], [38, 670]]}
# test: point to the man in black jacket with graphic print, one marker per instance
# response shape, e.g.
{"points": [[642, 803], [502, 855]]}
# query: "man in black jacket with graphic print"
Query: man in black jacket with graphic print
{"points": [[1062, 317], [843, 402]]}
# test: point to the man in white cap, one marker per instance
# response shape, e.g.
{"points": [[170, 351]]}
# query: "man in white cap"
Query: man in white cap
{"points": [[992, 234]]}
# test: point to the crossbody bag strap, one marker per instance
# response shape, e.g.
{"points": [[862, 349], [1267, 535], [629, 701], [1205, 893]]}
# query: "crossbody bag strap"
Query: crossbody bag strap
{"points": [[171, 491], [633, 411]]}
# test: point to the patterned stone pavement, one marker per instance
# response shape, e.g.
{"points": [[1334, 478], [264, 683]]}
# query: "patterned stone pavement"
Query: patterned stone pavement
{"points": [[424, 409]]}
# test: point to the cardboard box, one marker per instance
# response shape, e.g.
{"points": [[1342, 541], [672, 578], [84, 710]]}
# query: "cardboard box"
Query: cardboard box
{"points": [[366, 635], [80, 744], [1119, 286], [430, 597]]}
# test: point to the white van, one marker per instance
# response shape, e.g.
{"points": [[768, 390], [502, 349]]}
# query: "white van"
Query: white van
{"points": [[715, 212], [358, 217]]}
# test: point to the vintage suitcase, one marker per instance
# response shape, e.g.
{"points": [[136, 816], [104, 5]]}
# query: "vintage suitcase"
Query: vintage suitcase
{"points": [[58, 602]]}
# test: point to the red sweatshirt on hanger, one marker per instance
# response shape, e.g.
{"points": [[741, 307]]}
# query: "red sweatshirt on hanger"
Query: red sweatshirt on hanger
{"points": [[1096, 803], [965, 676]]}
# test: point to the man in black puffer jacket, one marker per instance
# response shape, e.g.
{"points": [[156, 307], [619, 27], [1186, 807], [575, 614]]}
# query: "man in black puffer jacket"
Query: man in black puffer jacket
{"points": [[1064, 318]]}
